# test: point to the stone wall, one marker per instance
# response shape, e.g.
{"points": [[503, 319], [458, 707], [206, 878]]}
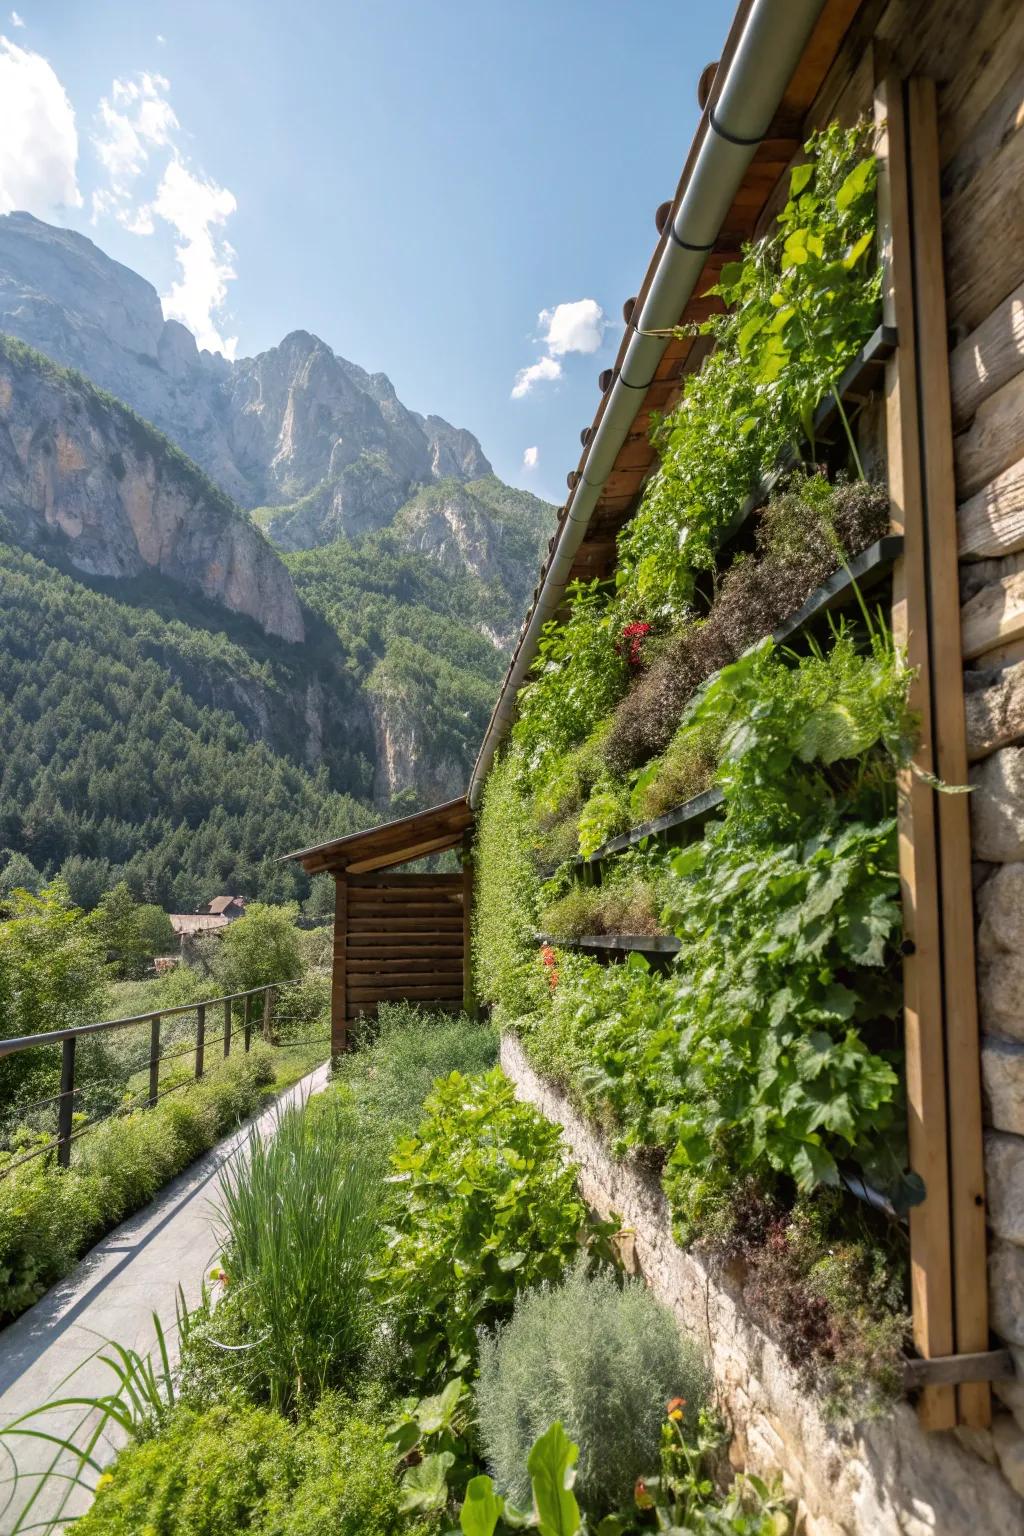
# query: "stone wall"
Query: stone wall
{"points": [[887, 1479]]}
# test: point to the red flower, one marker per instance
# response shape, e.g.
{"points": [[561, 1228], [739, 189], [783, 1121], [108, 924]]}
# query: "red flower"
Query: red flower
{"points": [[548, 956], [634, 635]]}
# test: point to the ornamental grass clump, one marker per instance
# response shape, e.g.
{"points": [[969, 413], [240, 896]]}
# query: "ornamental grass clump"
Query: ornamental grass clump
{"points": [[601, 1358], [298, 1231]]}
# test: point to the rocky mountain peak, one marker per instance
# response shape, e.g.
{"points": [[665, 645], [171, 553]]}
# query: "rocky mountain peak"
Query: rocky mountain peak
{"points": [[293, 422]]}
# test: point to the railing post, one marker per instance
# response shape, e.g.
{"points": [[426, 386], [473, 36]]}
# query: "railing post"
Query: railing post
{"points": [[247, 1020], [67, 1101], [268, 1014], [154, 1060], [200, 1037], [227, 1028]]}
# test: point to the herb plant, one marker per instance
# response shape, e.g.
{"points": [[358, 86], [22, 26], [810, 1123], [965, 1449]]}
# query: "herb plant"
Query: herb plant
{"points": [[486, 1208]]}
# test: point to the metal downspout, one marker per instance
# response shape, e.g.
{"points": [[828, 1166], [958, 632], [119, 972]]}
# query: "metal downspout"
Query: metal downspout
{"points": [[740, 115]]}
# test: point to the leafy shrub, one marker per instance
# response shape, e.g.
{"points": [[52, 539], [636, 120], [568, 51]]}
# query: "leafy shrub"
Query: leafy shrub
{"points": [[486, 1208], [581, 669], [605, 813], [236, 1468], [801, 303], [506, 896], [298, 1234], [261, 947], [52, 976], [389, 1077], [600, 1358], [49, 1215]]}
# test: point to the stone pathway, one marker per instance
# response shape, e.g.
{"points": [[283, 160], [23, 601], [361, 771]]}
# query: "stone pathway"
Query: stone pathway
{"points": [[50, 1352]]}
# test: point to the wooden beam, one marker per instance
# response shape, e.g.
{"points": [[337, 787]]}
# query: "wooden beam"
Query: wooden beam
{"points": [[402, 855], [963, 1058], [930, 1257], [339, 1031], [983, 1367]]}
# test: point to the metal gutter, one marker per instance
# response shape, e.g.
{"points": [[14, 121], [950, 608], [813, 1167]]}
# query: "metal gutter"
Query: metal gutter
{"points": [[737, 119]]}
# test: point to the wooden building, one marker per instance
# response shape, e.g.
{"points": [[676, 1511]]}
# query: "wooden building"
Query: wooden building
{"points": [[398, 936], [941, 418]]}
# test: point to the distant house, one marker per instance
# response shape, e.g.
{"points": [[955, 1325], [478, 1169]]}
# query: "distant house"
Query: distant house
{"points": [[228, 907], [188, 924]]}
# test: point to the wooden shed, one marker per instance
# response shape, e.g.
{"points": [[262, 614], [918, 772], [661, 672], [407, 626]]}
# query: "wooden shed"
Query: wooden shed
{"points": [[397, 935]]}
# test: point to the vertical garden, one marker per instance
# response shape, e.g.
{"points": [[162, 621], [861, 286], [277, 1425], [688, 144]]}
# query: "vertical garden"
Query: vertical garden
{"points": [[702, 776]]}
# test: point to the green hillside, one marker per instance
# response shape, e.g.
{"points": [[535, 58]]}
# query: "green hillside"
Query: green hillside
{"points": [[170, 749]]}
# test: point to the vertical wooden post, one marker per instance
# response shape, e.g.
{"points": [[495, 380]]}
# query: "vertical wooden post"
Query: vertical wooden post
{"points": [[930, 1233], [268, 1015], [966, 1161], [200, 1038], [66, 1105], [227, 1029], [339, 969], [247, 1021], [154, 1059], [468, 991]]}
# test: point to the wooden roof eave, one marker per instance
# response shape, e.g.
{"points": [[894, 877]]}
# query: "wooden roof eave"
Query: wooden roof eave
{"points": [[434, 830], [637, 460]]}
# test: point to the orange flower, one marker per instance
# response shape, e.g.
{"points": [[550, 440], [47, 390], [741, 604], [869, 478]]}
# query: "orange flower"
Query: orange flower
{"points": [[674, 1408]]}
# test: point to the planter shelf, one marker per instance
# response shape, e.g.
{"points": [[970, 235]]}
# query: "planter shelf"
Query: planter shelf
{"points": [[642, 943], [865, 374], [864, 571]]}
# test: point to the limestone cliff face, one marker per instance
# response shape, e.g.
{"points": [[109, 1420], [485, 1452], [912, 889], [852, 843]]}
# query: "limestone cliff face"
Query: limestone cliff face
{"points": [[83, 477], [294, 422], [405, 758]]}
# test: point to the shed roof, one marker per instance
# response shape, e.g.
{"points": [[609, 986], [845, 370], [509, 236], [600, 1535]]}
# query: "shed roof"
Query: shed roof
{"points": [[393, 842]]}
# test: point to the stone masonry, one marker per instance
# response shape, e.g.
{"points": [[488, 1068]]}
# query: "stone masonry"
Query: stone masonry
{"points": [[886, 1478]]}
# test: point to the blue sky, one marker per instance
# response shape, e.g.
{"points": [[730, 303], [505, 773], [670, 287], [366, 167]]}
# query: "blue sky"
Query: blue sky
{"points": [[421, 184]]}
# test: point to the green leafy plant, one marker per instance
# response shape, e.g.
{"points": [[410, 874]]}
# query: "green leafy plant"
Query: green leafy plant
{"points": [[582, 667], [487, 1208], [603, 1359], [802, 301]]}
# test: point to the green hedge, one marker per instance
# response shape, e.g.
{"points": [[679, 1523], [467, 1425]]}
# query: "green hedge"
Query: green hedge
{"points": [[49, 1216]]}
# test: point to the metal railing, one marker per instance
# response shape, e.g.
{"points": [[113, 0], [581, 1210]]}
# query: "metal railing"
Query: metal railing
{"points": [[262, 1018]]}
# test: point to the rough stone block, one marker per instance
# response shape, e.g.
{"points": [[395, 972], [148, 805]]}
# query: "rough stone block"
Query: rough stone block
{"points": [[997, 806], [1006, 1292], [1002, 1076], [1001, 952], [994, 708], [1004, 1178], [1008, 1439]]}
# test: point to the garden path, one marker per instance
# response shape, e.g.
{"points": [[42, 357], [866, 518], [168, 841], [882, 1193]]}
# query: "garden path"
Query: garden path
{"points": [[50, 1351]]}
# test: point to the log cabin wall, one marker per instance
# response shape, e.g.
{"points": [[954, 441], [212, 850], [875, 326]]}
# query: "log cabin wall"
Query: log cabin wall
{"points": [[974, 54], [397, 937]]}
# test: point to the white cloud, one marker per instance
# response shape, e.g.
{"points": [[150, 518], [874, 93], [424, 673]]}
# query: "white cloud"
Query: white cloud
{"points": [[16, 20], [575, 327], [137, 132], [544, 368], [195, 208], [578, 326], [530, 457], [134, 120], [38, 138], [161, 39]]}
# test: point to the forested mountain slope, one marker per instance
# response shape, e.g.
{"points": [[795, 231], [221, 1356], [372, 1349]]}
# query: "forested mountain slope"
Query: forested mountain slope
{"points": [[180, 702], [183, 752]]}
